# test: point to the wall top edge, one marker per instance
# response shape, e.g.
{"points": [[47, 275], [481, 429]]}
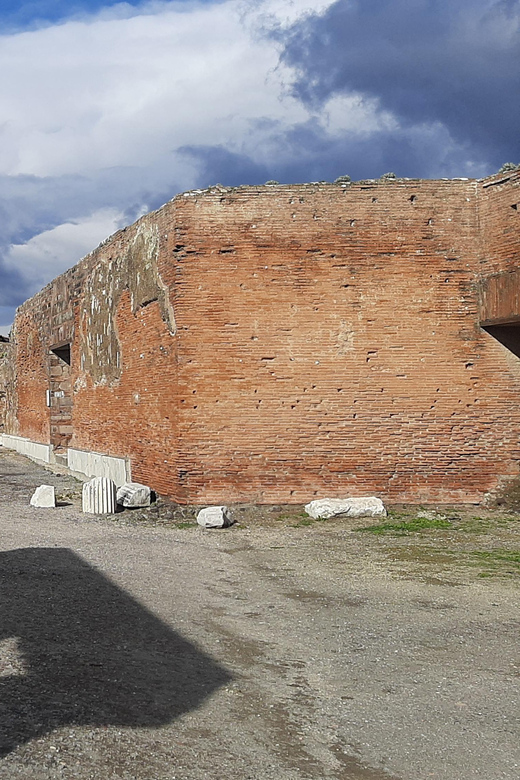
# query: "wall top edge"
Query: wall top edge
{"points": [[274, 189]]}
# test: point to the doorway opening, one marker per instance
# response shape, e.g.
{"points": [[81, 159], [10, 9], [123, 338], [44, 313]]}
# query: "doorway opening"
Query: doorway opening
{"points": [[60, 400]]}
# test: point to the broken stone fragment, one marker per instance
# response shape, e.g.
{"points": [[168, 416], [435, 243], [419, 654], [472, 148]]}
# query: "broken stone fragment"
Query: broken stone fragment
{"points": [[323, 508], [44, 496], [99, 496], [133, 495], [215, 517]]}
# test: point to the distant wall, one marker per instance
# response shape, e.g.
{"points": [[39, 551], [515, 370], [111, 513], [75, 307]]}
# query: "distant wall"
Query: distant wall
{"points": [[277, 343], [5, 352]]}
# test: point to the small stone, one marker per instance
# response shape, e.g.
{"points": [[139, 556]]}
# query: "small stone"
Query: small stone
{"points": [[44, 496], [133, 495], [99, 496], [215, 517], [428, 514], [323, 508]]}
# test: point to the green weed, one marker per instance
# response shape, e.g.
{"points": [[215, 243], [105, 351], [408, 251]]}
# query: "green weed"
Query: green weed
{"points": [[406, 527], [498, 556]]}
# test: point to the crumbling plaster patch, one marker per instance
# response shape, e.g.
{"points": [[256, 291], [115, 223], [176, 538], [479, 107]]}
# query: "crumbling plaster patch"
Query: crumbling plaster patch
{"points": [[134, 269]]}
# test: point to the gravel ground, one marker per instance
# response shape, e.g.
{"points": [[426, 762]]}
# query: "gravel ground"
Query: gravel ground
{"points": [[140, 647]]}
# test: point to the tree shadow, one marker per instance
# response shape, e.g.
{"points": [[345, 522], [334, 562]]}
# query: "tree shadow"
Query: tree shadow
{"points": [[87, 653]]}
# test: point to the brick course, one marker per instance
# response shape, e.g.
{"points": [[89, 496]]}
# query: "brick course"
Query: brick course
{"points": [[278, 343]]}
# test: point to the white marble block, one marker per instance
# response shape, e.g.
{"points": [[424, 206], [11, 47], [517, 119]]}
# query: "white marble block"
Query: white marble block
{"points": [[133, 495], [99, 496], [323, 508], [44, 496], [215, 517]]}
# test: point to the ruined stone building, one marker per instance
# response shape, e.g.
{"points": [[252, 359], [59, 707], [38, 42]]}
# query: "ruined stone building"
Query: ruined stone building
{"points": [[4, 378], [279, 343]]}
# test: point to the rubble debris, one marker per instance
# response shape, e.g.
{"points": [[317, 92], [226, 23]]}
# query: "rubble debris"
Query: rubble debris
{"points": [[133, 495], [215, 517], [44, 497], [99, 496], [323, 508]]}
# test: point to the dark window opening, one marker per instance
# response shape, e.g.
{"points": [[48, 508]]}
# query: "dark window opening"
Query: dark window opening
{"points": [[514, 206], [507, 335], [62, 352]]}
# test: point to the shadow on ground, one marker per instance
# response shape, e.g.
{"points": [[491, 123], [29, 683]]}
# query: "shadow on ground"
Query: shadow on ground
{"points": [[75, 649]]}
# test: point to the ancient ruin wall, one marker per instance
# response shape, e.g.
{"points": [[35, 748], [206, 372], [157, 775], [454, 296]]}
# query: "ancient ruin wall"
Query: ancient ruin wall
{"points": [[5, 379], [499, 209], [329, 344], [277, 343], [114, 311], [499, 216]]}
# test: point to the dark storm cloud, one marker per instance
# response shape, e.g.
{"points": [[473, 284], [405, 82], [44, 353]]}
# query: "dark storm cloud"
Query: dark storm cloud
{"points": [[218, 165], [307, 152], [426, 61]]}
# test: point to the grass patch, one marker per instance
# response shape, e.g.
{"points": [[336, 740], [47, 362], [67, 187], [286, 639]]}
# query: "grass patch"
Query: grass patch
{"points": [[292, 516], [495, 563], [303, 523], [185, 525], [483, 525], [498, 556], [407, 527]]}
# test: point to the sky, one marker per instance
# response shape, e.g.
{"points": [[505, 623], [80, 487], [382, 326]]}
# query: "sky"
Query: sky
{"points": [[109, 109]]}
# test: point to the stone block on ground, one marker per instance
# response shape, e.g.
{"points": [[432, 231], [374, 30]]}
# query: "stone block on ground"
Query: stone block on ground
{"points": [[215, 517], [133, 495], [99, 496], [323, 508], [44, 496]]}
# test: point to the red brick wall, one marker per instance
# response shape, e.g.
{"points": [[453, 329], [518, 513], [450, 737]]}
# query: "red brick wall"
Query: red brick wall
{"points": [[327, 344], [499, 208]]}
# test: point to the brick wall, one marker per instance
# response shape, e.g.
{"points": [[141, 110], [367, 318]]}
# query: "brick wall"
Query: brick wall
{"points": [[5, 353], [499, 208], [279, 343]]}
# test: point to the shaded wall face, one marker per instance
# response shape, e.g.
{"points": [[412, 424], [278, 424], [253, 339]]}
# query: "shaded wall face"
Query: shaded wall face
{"points": [[5, 354], [275, 344], [499, 210], [329, 345], [499, 200]]}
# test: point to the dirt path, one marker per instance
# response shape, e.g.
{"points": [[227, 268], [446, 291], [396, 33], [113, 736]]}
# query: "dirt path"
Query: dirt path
{"points": [[144, 648]]}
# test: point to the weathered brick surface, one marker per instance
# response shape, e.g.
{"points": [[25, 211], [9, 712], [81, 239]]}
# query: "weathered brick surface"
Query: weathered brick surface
{"points": [[327, 342], [499, 211], [499, 207], [5, 353]]}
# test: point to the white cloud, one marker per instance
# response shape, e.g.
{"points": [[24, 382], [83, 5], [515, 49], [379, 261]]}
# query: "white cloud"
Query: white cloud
{"points": [[122, 91], [50, 253], [110, 91]]}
